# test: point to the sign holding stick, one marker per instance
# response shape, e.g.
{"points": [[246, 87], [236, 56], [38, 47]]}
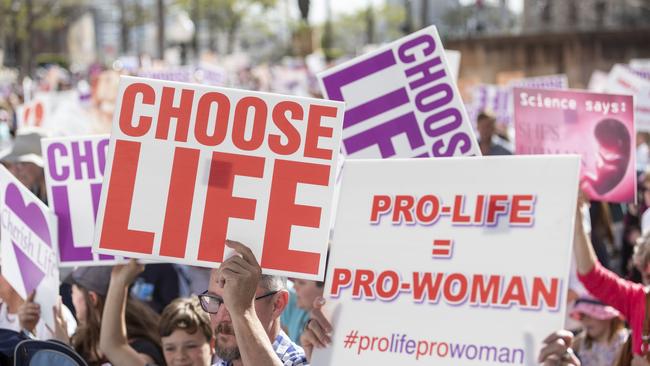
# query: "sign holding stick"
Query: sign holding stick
{"points": [[191, 166]]}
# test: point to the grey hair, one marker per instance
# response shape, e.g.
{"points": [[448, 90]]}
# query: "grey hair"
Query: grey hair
{"points": [[273, 283]]}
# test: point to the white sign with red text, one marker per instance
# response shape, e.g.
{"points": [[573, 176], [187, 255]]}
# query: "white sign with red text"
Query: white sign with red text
{"points": [[465, 260], [190, 166]]}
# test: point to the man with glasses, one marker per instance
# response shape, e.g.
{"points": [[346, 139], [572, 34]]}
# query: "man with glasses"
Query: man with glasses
{"points": [[245, 308]]}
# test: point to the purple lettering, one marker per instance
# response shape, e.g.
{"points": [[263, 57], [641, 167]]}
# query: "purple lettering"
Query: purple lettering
{"points": [[433, 103], [52, 158], [102, 149], [334, 83], [375, 107], [432, 120], [425, 69], [68, 251], [79, 158], [425, 39], [382, 135]]}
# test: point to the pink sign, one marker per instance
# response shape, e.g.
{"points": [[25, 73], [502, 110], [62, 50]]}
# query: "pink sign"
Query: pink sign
{"points": [[599, 127]]}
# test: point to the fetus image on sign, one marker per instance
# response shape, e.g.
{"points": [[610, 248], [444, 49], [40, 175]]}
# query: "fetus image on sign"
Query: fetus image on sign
{"points": [[613, 156]]}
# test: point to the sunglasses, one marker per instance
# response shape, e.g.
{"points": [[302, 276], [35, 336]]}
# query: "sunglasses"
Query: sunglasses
{"points": [[211, 303]]}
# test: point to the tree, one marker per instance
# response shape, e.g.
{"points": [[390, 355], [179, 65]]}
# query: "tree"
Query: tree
{"points": [[224, 16], [20, 20]]}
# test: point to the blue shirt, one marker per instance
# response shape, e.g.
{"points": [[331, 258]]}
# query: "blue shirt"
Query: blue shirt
{"points": [[293, 318], [288, 352]]}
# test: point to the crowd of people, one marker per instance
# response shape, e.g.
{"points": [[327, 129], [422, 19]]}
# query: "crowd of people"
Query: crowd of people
{"points": [[169, 314]]}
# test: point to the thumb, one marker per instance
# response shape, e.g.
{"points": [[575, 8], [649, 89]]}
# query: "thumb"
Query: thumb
{"points": [[318, 303], [31, 296], [317, 314], [57, 308]]}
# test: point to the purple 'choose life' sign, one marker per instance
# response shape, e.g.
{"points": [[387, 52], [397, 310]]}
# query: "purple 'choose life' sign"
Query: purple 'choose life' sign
{"points": [[401, 102], [74, 171]]}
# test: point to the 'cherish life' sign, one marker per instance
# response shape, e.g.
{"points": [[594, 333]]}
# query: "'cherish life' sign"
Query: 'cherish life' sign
{"points": [[455, 260], [190, 166], [402, 102], [28, 244]]}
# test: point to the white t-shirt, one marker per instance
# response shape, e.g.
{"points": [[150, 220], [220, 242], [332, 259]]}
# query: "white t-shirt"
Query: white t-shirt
{"points": [[645, 222], [642, 157], [10, 321]]}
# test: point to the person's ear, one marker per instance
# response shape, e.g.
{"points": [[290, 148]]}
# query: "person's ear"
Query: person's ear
{"points": [[280, 302], [93, 297]]}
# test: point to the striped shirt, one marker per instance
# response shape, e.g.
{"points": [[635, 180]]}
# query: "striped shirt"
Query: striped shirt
{"points": [[289, 353]]}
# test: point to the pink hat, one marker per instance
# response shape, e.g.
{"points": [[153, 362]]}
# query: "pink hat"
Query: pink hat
{"points": [[593, 308]]}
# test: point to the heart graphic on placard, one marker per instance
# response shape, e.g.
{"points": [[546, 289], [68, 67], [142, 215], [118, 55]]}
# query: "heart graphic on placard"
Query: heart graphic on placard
{"points": [[35, 220]]}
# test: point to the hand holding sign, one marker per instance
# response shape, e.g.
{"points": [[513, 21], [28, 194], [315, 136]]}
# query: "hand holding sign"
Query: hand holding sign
{"points": [[557, 350], [239, 276], [318, 330], [29, 313], [60, 331], [125, 274]]}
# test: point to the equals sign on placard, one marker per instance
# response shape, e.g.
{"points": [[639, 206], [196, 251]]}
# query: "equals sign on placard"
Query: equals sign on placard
{"points": [[442, 248]]}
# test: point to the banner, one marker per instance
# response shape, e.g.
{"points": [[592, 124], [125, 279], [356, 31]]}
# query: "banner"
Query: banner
{"points": [[33, 113], [205, 73], [497, 99], [461, 273], [74, 171], [401, 102], [622, 80], [599, 127], [191, 166], [28, 245]]}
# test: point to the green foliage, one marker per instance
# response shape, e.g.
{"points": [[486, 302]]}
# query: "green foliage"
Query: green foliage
{"points": [[45, 16]]}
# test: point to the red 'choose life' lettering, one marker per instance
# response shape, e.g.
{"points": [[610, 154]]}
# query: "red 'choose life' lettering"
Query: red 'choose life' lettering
{"points": [[215, 136], [220, 204]]}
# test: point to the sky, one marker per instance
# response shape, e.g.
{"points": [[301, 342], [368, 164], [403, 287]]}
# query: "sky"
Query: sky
{"points": [[317, 12]]}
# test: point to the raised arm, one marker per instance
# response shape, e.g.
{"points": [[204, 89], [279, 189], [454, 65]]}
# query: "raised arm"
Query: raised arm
{"points": [[239, 277], [584, 252], [113, 340]]}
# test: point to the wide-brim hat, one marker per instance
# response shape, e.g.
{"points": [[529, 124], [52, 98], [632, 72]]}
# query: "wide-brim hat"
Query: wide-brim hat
{"points": [[26, 148], [593, 308]]}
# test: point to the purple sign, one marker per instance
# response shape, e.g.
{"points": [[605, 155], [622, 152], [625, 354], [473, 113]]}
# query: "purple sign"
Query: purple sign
{"points": [[28, 244], [76, 164], [402, 102], [497, 99]]}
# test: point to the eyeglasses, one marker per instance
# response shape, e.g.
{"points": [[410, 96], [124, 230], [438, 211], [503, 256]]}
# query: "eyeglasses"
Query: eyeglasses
{"points": [[211, 303]]}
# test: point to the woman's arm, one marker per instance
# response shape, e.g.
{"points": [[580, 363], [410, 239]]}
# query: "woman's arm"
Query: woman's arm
{"points": [[584, 252], [113, 340]]}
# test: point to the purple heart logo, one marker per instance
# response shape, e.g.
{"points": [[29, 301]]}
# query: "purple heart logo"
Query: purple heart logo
{"points": [[32, 275], [31, 214], [35, 220]]}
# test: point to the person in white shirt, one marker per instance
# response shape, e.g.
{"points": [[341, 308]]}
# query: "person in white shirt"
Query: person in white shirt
{"points": [[25, 315]]}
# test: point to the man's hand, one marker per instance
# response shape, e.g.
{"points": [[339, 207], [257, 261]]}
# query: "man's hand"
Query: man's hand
{"points": [[557, 350], [125, 274], [239, 276], [317, 331], [29, 313]]}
